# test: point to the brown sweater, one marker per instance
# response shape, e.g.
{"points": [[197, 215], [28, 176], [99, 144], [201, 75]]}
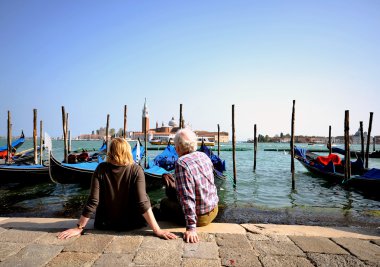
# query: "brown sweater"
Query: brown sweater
{"points": [[118, 197]]}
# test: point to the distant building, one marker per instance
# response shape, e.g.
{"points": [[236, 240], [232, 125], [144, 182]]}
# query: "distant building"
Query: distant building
{"points": [[356, 138], [90, 137], [169, 130], [213, 136]]}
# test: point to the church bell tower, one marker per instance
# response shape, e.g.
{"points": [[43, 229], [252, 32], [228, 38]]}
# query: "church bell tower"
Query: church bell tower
{"points": [[145, 118]]}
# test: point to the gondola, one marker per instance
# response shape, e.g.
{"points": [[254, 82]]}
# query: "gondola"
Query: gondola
{"points": [[26, 174], [23, 170], [80, 172], [79, 169], [162, 163], [218, 163], [361, 178], [71, 173], [372, 154], [15, 144], [165, 162]]}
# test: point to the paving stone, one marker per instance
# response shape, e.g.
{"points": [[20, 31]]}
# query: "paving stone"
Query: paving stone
{"points": [[113, 259], [8, 249], [158, 257], [238, 257], [2, 230], [74, 259], [277, 248], [33, 255], [257, 237], [206, 237], [332, 260], [280, 261], [279, 238], [232, 241], [201, 250], [155, 242], [363, 249], [52, 239], [376, 241], [317, 245], [89, 243], [201, 263], [20, 236], [124, 244]]}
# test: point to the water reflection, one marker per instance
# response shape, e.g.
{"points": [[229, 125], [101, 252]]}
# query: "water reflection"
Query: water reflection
{"points": [[17, 198]]}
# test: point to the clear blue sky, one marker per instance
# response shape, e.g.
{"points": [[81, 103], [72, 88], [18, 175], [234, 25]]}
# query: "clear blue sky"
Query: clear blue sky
{"points": [[94, 57]]}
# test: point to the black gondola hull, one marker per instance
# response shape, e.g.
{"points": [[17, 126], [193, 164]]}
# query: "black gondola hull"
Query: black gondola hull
{"points": [[24, 175], [355, 181], [67, 175]]}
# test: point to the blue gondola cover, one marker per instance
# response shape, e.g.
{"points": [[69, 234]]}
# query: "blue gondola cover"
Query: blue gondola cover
{"points": [[219, 165], [167, 158]]}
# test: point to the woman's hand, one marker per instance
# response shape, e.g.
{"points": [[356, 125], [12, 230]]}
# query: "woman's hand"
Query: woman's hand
{"points": [[165, 234], [69, 233]]}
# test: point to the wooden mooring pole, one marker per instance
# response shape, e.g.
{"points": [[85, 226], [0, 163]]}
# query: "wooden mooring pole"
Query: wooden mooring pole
{"points": [[68, 134], [233, 144], [218, 140], [9, 138], [368, 138], [41, 143], [125, 122], [330, 144], [64, 127], [35, 136], [374, 144], [347, 158], [107, 128], [362, 141], [292, 169], [254, 147], [180, 116], [69, 141]]}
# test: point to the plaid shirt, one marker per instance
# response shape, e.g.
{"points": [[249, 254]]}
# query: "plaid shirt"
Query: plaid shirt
{"points": [[195, 186]]}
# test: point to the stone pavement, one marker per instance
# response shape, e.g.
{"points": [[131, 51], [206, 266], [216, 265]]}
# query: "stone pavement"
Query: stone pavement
{"points": [[33, 242]]}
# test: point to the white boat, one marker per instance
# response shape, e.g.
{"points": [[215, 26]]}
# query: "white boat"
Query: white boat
{"points": [[165, 139], [162, 140], [205, 140]]}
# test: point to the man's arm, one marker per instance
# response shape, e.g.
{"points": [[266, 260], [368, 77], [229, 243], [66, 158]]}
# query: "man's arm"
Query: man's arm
{"points": [[186, 193]]}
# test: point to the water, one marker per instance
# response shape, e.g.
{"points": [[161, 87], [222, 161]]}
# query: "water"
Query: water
{"points": [[262, 196]]}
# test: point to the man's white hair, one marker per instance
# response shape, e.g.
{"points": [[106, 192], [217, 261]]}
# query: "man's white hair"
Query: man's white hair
{"points": [[186, 139]]}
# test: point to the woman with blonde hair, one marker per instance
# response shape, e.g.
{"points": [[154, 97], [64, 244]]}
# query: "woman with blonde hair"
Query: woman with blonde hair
{"points": [[118, 196]]}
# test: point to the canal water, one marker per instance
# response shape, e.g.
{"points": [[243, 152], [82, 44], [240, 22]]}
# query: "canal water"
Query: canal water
{"points": [[264, 196]]}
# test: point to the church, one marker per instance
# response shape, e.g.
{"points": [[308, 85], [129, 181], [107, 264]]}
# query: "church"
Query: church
{"points": [[166, 132]]}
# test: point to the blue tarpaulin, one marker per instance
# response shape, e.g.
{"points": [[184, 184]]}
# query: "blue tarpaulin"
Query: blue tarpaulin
{"points": [[167, 158], [372, 174]]}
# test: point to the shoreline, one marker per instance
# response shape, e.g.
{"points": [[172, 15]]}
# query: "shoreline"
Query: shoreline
{"points": [[33, 242], [307, 216]]}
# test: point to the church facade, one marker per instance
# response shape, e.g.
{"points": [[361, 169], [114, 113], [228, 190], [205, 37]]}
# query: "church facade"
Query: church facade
{"points": [[169, 130]]}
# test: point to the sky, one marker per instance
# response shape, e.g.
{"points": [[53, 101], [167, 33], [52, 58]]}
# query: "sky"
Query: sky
{"points": [[94, 57]]}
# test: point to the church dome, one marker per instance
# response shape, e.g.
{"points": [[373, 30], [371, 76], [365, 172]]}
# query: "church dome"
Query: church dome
{"points": [[172, 123]]}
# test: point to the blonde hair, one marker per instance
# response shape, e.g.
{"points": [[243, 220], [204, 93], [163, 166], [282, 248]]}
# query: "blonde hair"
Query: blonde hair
{"points": [[120, 152], [186, 139]]}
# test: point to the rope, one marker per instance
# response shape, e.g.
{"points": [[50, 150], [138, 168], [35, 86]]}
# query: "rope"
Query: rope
{"points": [[346, 180], [231, 179]]}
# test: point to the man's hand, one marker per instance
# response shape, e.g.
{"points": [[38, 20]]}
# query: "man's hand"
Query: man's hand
{"points": [[191, 236]]}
